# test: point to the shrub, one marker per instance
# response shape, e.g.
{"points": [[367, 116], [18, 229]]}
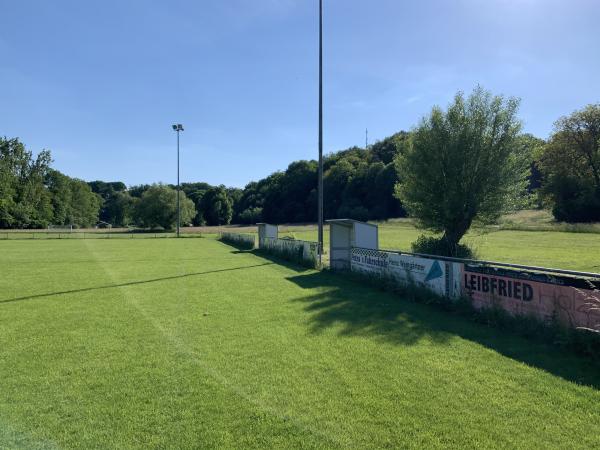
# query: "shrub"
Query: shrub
{"points": [[430, 245]]}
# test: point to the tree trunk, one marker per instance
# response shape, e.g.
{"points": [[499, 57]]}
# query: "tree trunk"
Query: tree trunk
{"points": [[453, 236]]}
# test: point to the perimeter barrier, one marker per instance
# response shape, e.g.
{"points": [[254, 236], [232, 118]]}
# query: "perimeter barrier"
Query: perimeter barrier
{"points": [[568, 297], [41, 235], [301, 252], [240, 240]]}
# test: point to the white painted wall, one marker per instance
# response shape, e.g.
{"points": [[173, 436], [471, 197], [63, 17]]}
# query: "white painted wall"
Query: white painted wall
{"points": [[365, 236]]}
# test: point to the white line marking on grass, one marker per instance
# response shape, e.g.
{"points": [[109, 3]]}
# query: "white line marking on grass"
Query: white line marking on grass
{"points": [[10, 438], [183, 348]]}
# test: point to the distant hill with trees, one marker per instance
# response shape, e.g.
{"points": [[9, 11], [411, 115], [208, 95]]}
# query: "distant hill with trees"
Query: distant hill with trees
{"points": [[360, 183]]}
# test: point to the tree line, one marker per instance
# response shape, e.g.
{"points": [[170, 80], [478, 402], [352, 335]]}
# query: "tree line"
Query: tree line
{"points": [[33, 195], [359, 183], [471, 158]]}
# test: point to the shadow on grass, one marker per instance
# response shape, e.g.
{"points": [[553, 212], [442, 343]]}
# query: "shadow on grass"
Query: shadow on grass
{"points": [[362, 310], [129, 283], [294, 266]]}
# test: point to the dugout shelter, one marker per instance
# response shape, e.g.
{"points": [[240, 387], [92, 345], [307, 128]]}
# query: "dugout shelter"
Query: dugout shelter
{"points": [[344, 234]]}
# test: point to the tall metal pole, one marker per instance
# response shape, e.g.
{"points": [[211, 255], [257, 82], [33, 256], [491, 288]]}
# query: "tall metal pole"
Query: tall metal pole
{"points": [[320, 183], [178, 210]]}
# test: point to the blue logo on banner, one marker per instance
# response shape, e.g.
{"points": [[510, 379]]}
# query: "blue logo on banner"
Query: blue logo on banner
{"points": [[434, 272]]}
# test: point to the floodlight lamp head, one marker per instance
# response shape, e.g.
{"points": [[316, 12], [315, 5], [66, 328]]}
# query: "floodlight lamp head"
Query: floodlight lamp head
{"points": [[180, 127], [175, 127]]}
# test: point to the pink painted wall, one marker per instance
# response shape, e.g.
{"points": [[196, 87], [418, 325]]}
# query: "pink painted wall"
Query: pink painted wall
{"points": [[574, 302]]}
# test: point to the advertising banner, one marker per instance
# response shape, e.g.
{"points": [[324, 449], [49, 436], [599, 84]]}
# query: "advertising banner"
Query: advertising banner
{"points": [[434, 274], [572, 301], [369, 261]]}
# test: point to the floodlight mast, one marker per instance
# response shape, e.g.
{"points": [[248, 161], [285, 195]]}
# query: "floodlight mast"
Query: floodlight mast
{"points": [[320, 181], [178, 127]]}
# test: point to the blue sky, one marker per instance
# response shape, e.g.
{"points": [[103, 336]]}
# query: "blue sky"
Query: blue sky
{"points": [[100, 83]]}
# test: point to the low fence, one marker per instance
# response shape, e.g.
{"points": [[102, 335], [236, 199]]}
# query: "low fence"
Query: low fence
{"points": [[568, 297], [44, 235], [244, 241], [302, 252]]}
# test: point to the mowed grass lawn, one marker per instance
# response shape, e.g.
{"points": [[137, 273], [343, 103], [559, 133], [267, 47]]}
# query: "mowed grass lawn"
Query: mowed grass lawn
{"points": [[165, 343]]}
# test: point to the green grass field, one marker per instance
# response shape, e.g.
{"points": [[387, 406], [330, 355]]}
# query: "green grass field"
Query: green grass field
{"points": [[529, 237], [165, 343]]}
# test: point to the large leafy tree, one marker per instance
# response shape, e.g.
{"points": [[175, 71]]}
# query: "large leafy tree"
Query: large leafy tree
{"points": [[118, 209], [24, 199], [85, 205], [217, 206], [248, 208], [463, 165], [73, 201], [157, 207], [570, 165], [62, 197], [195, 192], [335, 179], [117, 203], [7, 184], [530, 145]]}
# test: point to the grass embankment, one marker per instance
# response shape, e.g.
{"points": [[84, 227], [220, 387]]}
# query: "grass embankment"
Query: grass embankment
{"points": [[557, 249], [541, 220], [191, 343]]}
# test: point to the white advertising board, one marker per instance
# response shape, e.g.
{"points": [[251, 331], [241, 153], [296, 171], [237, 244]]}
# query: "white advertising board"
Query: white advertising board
{"points": [[365, 236], [436, 275]]}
